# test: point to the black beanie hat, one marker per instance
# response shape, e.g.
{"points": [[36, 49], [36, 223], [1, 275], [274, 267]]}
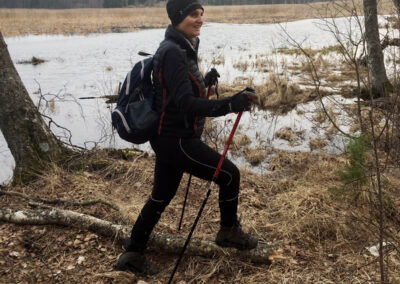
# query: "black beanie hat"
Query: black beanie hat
{"points": [[178, 9]]}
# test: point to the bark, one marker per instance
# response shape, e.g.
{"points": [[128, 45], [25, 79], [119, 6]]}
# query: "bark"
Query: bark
{"points": [[27, 135], [385, 43], [40, 200], [390, 42], [397, 4], [376, 66], [120, 233]]}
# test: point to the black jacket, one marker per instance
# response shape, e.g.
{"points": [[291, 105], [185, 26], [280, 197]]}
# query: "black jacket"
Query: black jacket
{"points": [[180, 85]]}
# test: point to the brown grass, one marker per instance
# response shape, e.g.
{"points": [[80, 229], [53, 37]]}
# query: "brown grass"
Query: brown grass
{"points": [[14, 22], [293, 137], [34, 61], [319, 238], [255, 155], [278, 91], [310, 51], [317, 143]]}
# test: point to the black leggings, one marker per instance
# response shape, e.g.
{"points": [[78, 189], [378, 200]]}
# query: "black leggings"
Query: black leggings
{"points": [[174, 156]]}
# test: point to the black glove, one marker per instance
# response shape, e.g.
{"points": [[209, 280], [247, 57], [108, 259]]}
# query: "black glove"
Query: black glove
{"points": [[211, 77], [243, 100]]}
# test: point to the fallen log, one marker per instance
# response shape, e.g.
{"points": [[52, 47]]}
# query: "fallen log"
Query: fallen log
{"points": [[67, 202], [121, 234]]}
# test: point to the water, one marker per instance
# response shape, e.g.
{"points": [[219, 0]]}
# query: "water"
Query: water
{"points": [[93, 65]]}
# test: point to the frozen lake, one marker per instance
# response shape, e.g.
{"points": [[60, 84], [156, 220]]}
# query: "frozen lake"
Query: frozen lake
{"points": [[93, 65]]}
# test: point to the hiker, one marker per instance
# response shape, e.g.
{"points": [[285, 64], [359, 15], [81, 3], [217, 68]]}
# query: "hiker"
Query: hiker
{"points": [[180, 85]]}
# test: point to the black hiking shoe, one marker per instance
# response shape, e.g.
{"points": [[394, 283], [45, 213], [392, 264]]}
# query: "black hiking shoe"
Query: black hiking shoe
{"points": [[235, 237], [136, 263]]}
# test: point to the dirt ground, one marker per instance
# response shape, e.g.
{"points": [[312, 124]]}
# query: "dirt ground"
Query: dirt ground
{"points": [[321, 239]]}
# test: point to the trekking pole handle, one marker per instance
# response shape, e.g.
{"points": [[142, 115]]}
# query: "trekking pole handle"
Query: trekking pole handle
{"points": [[228, 143]]}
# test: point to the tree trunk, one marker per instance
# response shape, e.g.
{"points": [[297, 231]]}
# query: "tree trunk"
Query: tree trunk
{"points": [[397, 4], [121, 234], [376, 66], [27, 135]]}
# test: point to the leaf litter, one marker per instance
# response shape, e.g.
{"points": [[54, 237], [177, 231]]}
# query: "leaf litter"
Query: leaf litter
{"points": [[290, 205]]}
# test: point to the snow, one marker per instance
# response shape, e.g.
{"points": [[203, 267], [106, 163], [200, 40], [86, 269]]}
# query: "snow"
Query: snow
{"points": [[93, 65], [7, 162]]}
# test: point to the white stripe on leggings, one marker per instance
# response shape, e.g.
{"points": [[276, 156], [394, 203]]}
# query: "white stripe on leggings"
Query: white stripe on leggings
{"points": [[155, 200], [180, 144], [228, 200]]}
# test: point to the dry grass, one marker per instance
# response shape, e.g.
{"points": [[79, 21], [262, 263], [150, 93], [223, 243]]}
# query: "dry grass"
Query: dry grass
{"points": [[310, 51], [293, 137], [255, 156], [241, 140], [278, 91], [320, 242], [241, 65], [34, 61], [14, 22], [317, 143]]}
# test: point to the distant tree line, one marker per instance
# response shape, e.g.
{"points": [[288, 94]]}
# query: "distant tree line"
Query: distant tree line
{"points": [[67, 4], [51, 4]]}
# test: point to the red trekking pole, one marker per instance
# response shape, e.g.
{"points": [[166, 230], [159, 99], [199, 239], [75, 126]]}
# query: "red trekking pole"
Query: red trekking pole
{"points": [[207, 195]]}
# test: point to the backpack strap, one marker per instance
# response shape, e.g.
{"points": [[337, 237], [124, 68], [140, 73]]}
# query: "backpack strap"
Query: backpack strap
{"points": [[169, 44]]}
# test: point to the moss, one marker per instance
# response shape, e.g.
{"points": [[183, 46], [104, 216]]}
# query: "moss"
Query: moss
{"points": [[125, 154], [23, 177]]}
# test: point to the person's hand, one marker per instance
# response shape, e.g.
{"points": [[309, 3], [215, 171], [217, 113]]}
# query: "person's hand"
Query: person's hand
{"points": [[243, 100], [211, 77]]}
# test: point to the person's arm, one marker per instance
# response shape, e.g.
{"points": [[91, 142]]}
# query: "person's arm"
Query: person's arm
{"points": [[175, 73]]}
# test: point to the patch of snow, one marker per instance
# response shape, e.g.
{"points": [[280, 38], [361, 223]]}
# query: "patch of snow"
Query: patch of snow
{"points": [[374, 250], [7, 162]]}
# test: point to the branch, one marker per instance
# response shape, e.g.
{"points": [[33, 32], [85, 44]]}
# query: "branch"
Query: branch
{"points": [[385, 43], [121, 234], [390, 42]]}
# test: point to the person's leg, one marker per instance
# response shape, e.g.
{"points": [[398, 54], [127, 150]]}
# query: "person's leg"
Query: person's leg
{"points": [[201, 160], [167, 175], [166, 181]]}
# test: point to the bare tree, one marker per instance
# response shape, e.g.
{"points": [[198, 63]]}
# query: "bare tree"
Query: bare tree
{"points": [[376, 65], [27, 135]]}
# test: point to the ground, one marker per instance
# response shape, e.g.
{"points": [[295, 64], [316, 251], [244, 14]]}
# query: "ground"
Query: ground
{"points": [[290, 206]]}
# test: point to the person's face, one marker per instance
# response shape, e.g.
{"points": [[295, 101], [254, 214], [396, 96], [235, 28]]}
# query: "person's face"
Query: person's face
{"points": [[191, 25]]}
